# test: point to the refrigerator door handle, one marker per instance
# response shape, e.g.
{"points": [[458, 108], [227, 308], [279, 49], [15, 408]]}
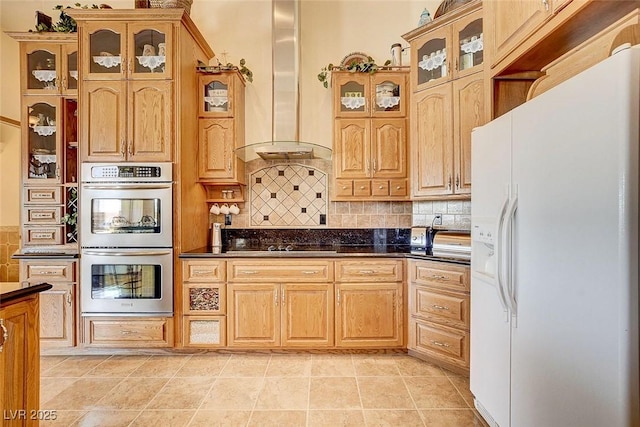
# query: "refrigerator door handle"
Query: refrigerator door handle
{"points": [[509, 288], [499, 257]]}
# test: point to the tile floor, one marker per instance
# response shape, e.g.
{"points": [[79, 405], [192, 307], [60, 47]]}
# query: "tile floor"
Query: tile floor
{"points": [[253, 390]]}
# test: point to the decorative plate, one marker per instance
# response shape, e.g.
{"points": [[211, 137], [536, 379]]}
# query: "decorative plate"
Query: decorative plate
{"points": [[357, 57]]}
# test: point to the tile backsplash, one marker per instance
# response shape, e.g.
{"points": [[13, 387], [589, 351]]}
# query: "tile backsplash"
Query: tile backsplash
{"points": [[9, 243], [296, 194]]}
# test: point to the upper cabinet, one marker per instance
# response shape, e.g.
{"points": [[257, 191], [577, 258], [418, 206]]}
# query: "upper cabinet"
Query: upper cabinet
{"points": [[117, 50], [447, 52], [370, 135], [448, 101], [49, 68]]}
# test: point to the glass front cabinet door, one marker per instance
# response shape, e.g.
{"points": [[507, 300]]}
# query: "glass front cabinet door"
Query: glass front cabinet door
{"points": [[50, 68], [469, 44], [216, 95], [389, 95], [351, 94], [43, 140], [433, 58], [132, 51]]}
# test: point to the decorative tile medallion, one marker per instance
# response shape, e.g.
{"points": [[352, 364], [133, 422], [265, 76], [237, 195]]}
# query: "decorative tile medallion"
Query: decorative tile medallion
{"points": [[288, 195], [204, 299]]}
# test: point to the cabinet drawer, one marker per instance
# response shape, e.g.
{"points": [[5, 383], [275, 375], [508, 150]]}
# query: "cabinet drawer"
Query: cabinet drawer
{"points": [[204, 331], [361, 187], [43, 271], [441, 342], [344, 187], [441, 275], [42, 195], [367, 270], [203, 271], [204, 298], [116, 332], [380, 187], [447, 308], [42, 215], [398, 187], [43, 235], [280, 271]]}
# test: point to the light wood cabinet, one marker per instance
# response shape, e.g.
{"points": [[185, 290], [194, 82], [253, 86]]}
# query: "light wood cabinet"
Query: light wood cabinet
{"points": [[127, 90], [58, 305], [369, 303], [126, 332], [204, 303], [448, 102], [280, 303], [220, 133], [370, 136], [439, 313], [19, 362], [49, 150]]}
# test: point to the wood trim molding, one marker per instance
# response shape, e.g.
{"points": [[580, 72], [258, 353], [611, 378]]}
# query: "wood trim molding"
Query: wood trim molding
{"points": [[9, 121]]}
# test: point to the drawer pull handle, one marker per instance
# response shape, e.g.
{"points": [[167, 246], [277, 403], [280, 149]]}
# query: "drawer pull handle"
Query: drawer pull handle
{"points": [[248, 272], [366, 272], [5, 334], [125, 332], [437, 276], [275, 297], [310, 272], [201, 273], [439, 344], [48, 272], [439, 307], [69, 299]]}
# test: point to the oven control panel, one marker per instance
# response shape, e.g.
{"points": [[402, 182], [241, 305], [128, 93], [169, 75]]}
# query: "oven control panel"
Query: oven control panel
{"points": [[105, 172]]}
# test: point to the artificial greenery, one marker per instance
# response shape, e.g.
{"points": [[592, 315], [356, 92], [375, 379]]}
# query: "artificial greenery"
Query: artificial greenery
{"points": [[355, 66], [65, 24], [72, 217], [247, 73]]}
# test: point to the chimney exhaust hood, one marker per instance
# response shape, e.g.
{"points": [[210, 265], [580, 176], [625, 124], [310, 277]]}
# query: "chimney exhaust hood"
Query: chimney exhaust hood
{"points": [[285, 143]]}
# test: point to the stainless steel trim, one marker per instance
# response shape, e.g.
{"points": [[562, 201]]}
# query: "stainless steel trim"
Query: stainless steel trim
{"points": [[120, 186], [133, 253]]}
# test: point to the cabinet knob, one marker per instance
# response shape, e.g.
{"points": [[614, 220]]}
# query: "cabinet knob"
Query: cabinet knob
{"points": [[362, 187], [381, 187]]}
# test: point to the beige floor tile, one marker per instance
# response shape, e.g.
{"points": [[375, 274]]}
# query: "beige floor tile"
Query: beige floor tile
{"points": [[132, 393], [338, 365], [47, 362], [462, 384], [395, 395], [107, 419], [434, 392], [352, 418], [182, 393], [393, 418], [289, 365], [160, 366], [284, 393], [450, 418], [278, 418], [412, 367], [246, 366], [203, 365], [62, 418], [50, 387], [375, 366], [82, 394], [233, 393], [334, 393], [220, 418], [163, 418], [118, 366], [74, 366]]}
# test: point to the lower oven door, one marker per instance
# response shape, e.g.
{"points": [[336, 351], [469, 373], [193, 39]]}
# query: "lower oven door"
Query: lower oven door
{"points": [[126, 282]]}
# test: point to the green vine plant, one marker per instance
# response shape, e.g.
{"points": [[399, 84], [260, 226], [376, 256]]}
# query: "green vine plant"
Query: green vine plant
{"points": [[368, 66], [243, 69], [65, 24]]}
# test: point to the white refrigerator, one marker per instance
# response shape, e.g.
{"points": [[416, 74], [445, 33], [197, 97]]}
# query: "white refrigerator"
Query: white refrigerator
{"points": [[554, 294]]}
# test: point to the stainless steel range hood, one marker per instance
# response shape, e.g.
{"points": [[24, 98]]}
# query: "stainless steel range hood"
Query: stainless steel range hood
{"points": [[285, 143]]}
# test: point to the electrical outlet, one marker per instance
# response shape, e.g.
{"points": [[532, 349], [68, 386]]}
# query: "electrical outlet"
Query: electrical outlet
{"points": [[437, 219]]}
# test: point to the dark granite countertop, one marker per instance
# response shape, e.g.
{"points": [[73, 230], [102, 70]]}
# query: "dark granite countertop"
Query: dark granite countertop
{"points": [[10, 291], [348, 251]]}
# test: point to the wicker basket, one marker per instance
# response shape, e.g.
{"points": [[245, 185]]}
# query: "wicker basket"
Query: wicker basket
{"points": [[171, 4]]}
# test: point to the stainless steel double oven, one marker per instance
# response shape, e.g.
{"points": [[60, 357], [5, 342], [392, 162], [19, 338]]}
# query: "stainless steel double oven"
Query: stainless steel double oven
{"points": [[126, 265]]}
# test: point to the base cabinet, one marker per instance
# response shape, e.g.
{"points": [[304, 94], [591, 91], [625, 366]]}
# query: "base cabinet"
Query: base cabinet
{"points": [[439, 313], [128, 331], [19, 362]]}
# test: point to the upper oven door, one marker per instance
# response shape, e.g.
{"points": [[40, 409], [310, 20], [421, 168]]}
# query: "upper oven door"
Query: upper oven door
{"points": [[126, 215]]}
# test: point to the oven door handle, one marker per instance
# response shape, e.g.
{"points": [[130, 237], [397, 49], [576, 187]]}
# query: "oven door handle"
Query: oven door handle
{"points": [[126, 187], [140, 253]]}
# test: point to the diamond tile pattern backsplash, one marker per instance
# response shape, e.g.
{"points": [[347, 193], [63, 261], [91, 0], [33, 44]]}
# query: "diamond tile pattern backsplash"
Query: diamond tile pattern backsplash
{"points": [[288, 195]]}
